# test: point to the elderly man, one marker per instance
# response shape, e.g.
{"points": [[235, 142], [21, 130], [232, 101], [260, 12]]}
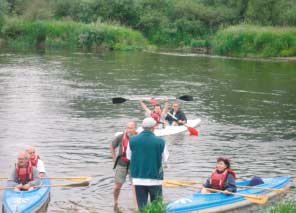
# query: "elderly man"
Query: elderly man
{"points": [[35, 160], [121, 163], [24, 176], [147, 152]]}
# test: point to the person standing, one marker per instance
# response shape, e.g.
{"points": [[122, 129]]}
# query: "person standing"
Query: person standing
{"points": [[36, 161], [121, 163], [158, 114], [146, 153], [24, 176], [176, 116]]}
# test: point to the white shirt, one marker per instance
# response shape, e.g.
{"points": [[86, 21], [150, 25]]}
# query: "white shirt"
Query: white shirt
{"points": [[40, 166], [147, 181]]}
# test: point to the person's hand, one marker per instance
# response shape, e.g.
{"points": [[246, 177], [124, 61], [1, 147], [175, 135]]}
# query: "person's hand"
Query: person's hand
{"points": [[165, 98], [26, 187], [18, 187], [226, 192]]}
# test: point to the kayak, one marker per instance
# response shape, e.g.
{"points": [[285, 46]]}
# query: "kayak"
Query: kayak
{"points": [[26, 201], [219, 202], [171, 130]]}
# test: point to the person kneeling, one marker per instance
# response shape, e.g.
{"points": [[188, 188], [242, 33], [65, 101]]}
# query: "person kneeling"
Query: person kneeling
{"points": [[24, 177], [222, 178]]}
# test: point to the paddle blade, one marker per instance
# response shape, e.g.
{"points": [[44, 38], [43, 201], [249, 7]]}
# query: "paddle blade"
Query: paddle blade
{"points": [[186, 98], [259, 199], [192, 131], [118, 100]]}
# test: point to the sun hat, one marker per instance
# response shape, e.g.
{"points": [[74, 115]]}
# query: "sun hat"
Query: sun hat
{"points": [[148, 123]]}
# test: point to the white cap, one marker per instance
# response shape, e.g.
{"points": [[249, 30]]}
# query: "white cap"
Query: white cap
{"points": [[148, 123]]}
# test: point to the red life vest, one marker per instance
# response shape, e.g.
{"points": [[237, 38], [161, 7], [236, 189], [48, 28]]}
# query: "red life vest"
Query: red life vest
{"points": [[24, 174], [156, 116], [218, 179], [34, 161], [124, 144]]}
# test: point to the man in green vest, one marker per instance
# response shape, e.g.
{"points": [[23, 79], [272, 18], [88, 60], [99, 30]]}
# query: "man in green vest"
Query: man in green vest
{"points": [[146, 153]]}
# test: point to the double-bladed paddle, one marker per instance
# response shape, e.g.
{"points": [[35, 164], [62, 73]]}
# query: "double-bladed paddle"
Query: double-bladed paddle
{"points": [[119, 100], [258, 198], [189, 183], [80, 184], [79, 178]]}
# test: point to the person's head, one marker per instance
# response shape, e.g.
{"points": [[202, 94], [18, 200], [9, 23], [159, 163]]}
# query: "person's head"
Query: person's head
{"points": [[149, 124], [157, 108], [31, 151], [131, 128], [223, 163], [22, 158], [176, 106]]}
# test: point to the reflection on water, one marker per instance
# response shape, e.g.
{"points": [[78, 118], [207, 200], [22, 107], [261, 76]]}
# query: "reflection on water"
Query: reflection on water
{"points": [[61, 103]]}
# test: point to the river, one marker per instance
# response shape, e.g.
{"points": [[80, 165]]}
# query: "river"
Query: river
{"points": [[60, 102]]}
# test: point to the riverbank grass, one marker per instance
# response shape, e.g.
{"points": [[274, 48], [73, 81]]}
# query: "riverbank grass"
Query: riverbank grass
{"points": [[255, 41], [157, 206], [287, 206], [20, 33]]}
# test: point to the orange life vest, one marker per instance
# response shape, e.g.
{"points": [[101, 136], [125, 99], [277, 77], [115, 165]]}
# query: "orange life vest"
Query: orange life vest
{"points": [[34, 161], [24, 174], [124, 144], [217, 180]]}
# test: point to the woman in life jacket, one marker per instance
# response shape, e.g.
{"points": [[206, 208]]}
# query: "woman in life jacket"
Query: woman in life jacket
{"points": [[222, 178], [158, 114]]}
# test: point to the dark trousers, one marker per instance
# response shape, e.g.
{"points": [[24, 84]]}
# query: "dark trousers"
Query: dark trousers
{"points": [[142, 193]]}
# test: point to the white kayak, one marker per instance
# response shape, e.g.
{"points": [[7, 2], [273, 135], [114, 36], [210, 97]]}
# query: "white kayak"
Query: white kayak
{"points": [[171, 130]]}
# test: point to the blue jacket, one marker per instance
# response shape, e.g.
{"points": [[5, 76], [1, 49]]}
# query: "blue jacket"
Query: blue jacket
{"points": [[179, 115]]}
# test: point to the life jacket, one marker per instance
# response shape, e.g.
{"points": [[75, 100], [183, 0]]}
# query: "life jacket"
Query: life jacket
{"points": [[155, 116], [34, 161], [217, 180], [24, 174], [124, 144]]}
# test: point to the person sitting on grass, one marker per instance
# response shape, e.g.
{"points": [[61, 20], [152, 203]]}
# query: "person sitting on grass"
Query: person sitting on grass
{"points": [[222, 178]]}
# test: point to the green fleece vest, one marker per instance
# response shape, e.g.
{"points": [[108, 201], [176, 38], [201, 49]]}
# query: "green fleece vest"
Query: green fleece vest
{"points": [[146, 159]]}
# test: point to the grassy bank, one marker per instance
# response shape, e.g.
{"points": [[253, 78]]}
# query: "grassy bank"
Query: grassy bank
{"points": [[20, 33], [287, 206], [255, 41]]}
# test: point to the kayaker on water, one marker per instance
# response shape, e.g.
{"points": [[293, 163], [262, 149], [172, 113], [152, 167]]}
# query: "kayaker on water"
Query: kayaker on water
{"points": [[147, 152], [36, 161], [24, 176], [158, 114], [176, 116], [222, 178], [121, 163]]}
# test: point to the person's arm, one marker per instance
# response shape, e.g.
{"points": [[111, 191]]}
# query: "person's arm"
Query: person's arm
{"points": [[230, 185], [41, 168], [166, 107], [182, 118], [207, 184], [11, 182], [36, 179], [144, 107], [114, 144]]}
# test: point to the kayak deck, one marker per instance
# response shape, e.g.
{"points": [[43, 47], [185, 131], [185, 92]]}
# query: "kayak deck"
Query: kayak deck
{"points": [[26, 201], [171, 130], [218, 202]]}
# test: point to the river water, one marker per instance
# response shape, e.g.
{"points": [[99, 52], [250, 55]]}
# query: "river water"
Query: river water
{"points": [[60, 102]]}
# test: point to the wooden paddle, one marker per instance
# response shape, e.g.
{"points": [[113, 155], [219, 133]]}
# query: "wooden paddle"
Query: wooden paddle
{"points": [[189, 183], [259, 199], [81, 184], [191, 130], [119, 100], [79, 178]]}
